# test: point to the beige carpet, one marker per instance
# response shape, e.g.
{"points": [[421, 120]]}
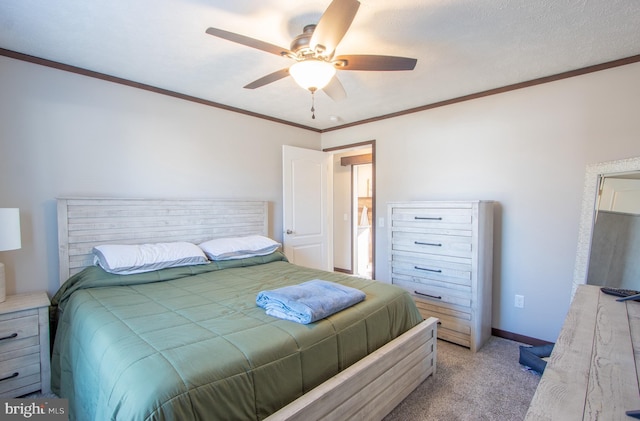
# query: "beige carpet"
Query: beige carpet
{"points": [[487, 385]]}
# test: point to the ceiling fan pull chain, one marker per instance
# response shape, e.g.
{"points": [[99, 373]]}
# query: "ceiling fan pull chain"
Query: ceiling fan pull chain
{"points": [[313, 103]]}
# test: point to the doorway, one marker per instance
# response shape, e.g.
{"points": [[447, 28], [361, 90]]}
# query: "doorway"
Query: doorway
{"points": [[361, 192], [354, 208]]}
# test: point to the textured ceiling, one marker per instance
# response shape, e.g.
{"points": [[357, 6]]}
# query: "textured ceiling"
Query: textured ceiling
{"points": [[462, 46]]}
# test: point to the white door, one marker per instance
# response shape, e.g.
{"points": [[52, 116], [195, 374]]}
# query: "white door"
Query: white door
{"points": [[621, 195], [307, 207]]}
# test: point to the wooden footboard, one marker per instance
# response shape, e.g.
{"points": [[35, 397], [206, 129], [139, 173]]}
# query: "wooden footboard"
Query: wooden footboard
{"points": [[373, 386]]}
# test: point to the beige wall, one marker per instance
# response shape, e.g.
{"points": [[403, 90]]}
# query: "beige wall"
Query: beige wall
{"points": [[62, 134], [525, 149]]}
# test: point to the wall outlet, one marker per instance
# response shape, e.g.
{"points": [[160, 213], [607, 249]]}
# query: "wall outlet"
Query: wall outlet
{"points": [[519, 301]]}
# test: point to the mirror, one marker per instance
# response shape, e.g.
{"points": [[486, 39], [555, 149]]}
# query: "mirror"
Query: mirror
{"points": [[615, 242], [591, 212]]}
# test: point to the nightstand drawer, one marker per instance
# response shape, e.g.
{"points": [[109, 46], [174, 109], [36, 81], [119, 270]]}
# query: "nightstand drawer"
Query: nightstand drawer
{"points": [[24, 345], [16, 347], [19, 372], [18, 328]]}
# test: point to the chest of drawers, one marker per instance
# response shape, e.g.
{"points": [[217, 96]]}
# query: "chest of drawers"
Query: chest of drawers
{"points": [[24, 345], [442, 253]]}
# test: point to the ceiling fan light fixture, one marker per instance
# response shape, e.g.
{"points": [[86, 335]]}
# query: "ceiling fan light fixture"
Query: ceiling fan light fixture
{"points": [[312, 74]]}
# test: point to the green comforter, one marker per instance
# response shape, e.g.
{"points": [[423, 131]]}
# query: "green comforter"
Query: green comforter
{"points": [[190, 343]]}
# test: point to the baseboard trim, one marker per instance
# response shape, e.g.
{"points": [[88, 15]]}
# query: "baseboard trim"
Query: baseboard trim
{"points": [[518, 338]]}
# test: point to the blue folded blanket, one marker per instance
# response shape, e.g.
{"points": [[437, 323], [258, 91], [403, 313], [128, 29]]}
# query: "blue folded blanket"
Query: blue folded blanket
{"points": [[309, 301]]}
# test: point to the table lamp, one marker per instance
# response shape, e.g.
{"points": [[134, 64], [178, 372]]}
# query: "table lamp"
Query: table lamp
{"points": [[9, 239]]}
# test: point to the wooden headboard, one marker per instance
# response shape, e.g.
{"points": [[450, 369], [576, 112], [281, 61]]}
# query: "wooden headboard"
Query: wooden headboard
{"points": [[86, 222]]}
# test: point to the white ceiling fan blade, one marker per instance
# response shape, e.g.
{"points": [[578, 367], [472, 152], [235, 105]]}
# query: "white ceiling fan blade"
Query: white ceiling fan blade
{"points": [[335, 90], [333, 25]]}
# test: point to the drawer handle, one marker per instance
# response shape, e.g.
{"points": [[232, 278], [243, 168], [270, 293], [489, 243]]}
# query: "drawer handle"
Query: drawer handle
{"points": [[422, 243], [428, 270], [14, 375], [437, 297], [428, 218], [13, 335]]}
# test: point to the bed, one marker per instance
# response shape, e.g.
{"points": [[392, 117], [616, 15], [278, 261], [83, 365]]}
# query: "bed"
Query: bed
{"points": [[190, 343]]}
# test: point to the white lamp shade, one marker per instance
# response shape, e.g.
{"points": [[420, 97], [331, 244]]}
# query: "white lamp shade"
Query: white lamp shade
{"points": [[10, 229], [312, 74]]}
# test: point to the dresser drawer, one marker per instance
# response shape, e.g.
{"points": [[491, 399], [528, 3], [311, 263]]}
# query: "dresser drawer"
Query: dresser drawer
{"points": [[19, 372], [456, 317], [455, 337], [438, 219], [422, 282], [432, 244], [454, 326], [434, 294], [432, 269]]}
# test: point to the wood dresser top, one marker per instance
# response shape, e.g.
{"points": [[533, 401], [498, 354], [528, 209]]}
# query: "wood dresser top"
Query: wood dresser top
{"points": [[592, 373]]}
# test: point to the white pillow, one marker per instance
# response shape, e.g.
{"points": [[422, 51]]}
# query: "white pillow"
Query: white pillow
{"points": [[129, 259], [239, 247]]}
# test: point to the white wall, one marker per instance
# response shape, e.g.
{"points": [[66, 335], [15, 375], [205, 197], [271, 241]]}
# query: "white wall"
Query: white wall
{"points": [[526, 149], [63, 134]]}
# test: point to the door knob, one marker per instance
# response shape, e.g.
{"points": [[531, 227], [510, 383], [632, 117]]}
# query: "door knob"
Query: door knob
{"points": [[289, 232]]}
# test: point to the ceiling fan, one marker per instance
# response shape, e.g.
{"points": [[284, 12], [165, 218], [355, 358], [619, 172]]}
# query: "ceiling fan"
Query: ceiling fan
{"points": [[313, 51]]}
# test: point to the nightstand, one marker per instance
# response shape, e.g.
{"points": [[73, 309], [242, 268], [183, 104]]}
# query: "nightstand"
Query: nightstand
{"points": [[24, 345]]}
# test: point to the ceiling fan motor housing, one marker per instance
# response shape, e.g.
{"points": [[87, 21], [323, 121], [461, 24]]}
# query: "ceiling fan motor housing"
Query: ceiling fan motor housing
{"points": [[300, 44]]}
